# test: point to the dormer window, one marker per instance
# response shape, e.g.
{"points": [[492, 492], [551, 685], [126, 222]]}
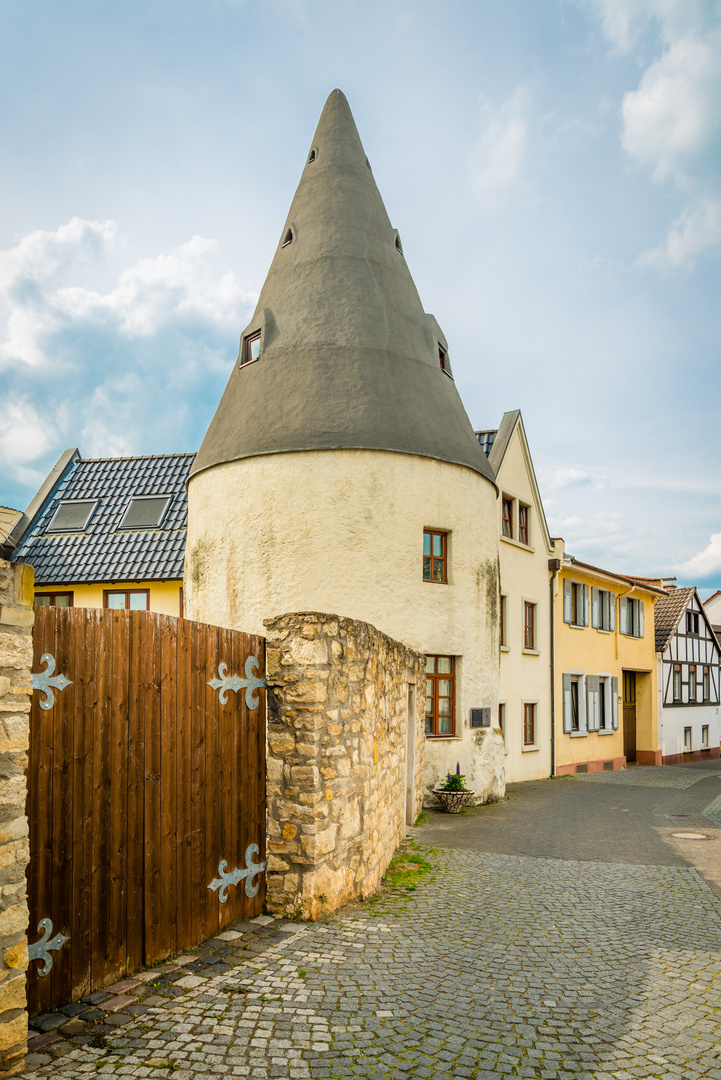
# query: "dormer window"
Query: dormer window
{"points": [[72, 515], [251, 351], [145, 512]]}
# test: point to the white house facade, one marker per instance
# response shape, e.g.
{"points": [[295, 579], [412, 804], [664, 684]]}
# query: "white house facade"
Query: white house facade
{"points": [[687, 654]]}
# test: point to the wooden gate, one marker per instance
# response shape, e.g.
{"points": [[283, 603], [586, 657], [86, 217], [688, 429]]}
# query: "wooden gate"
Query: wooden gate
{"points": [[140, 781]]}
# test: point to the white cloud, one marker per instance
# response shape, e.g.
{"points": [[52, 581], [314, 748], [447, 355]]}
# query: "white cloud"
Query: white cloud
{"points": [[672, 121], [558, 479], [187, 287], [24, 437], [499, 157], [703, 564]]}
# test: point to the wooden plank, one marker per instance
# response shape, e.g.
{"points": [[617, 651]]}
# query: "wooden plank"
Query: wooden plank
{"points": [[213, 854], [184, 930], [234, 735], [167, 628], [223, 766], [59, 722], [101, 799], [39, 809], [83, 668], [199, 880], [152, 842], [135, 826], [259, 721], [118, 655]]}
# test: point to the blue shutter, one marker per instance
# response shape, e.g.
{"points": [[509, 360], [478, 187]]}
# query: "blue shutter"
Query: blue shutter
{"points": [[641, 619], [595, 608], [567, 604], [614, 703], [612, 610], [586, 606], [622, 614], [592, 684]]}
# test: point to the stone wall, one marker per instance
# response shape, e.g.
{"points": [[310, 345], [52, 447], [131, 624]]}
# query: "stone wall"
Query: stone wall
{"points": [[16, 654], [338, 724]]}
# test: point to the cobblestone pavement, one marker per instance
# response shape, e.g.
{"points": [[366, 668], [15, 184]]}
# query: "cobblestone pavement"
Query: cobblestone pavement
{"points": [[492, 965], [670, 776]]}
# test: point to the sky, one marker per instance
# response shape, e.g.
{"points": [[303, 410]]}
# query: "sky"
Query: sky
{"points": [[554, 170]]}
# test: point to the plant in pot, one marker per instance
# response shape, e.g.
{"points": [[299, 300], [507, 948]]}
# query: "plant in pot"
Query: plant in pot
{"points": [[453, 794]]}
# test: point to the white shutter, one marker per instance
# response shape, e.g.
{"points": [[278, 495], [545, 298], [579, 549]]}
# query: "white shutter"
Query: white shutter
{"points": [[567, 602], [641, 619], [581, 702], [622, 614], [595, 609], [612, 610], [592, 683], [586, 606], [614, 703], [566, 703]]}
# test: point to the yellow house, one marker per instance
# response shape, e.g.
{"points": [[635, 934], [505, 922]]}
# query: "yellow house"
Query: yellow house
{"points": [[604, 669], [108, 532], [525, 547]]}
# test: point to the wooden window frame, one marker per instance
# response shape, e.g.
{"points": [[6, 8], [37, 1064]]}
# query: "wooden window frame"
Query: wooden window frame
{"points": [[503, 621], [529, 627], [126, 592], [436, 560], [524, 520], [502, 718], [507, 521], [248, 347], [529, 710], [692, 697], [575, 701], [53, 595], [434, 677]]}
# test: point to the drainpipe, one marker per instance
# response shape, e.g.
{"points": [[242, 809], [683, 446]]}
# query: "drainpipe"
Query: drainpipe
{"points": [[554, 565]]}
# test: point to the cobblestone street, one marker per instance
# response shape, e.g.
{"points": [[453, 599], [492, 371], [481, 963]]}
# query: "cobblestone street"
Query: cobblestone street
{"points": [[494, 964]]}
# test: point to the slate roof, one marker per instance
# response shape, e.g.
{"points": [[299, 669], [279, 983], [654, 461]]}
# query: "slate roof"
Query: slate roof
{"points": [[667, 612], [102, 551], [486, 438]]}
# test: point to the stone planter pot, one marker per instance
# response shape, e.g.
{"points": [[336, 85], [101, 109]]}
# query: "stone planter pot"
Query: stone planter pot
{"points": [[453, 801]]}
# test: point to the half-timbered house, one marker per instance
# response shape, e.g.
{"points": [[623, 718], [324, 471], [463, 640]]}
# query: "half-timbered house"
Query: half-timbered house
{"points": [[687, 655]]}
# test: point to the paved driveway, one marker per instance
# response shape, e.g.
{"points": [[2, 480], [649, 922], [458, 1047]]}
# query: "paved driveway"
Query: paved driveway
{"points": [[501, 962]]}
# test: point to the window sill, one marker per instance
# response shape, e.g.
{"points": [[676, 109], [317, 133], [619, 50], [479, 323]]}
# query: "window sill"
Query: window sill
{"points": [[575, 626], [505, 648], [436, 738], [577, 734], [430, 581], [517, 543], [607, 731], [530, 749], [531, 652], [603, 630]]}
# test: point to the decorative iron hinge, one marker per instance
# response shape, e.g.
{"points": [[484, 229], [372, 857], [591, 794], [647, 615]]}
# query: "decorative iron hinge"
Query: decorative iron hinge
{"points": [[45, 681], [221, 884], [40, 950], [225, 682]]}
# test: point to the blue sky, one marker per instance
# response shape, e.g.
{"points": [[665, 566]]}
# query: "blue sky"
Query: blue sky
{"points": [[554, 170]]}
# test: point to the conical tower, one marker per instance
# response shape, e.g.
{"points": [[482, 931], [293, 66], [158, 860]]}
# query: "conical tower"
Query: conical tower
{"points": [[346, 355], [341, 450]]}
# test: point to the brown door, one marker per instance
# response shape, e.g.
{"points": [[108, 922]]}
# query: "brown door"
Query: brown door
{"points": [[629, 715]]}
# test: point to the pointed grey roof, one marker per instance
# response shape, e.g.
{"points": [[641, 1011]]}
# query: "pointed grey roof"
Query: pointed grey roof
{"points": [[348, 357]]}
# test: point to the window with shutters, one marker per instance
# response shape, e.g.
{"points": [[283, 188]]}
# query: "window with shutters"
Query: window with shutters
{"points": [[576, 603], [590, 703], [440, 695], [632, 617], [435, 556], [529, 723], [677, 683], [603, 609]]}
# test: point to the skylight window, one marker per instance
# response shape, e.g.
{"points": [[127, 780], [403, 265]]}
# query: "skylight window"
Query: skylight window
{"points": [[145, 512], [72, 515]]}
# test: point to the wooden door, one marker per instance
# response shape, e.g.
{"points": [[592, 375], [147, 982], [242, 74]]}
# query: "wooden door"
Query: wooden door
{"points": [[629, 715]]}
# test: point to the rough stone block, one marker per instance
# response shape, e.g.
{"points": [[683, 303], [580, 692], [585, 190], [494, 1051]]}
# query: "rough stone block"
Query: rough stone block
{"points": [[16, 616]]}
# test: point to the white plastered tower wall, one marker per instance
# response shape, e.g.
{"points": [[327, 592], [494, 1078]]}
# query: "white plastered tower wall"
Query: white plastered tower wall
{"points": [[331, 452], [525, 674]]}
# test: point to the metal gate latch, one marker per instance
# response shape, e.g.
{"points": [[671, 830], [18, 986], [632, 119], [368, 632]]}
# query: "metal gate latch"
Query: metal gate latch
{"points": [[40, 950], [222, 883], [225, 682], [43, 681]]}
